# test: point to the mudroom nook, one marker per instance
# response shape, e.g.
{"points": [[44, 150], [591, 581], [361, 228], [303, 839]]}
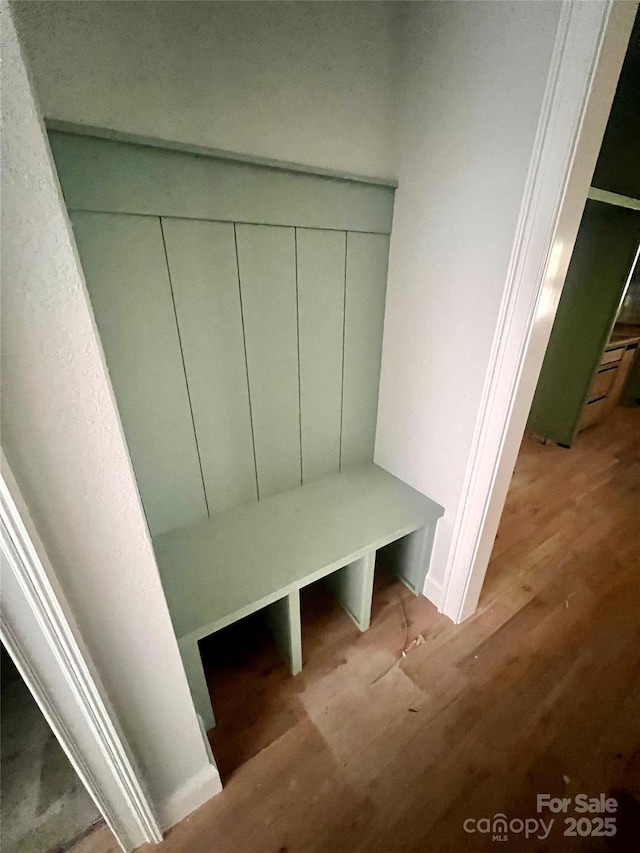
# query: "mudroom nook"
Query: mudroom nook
{"points": [[241, 307]]}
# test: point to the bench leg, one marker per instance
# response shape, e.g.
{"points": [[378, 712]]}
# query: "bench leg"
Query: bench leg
{"points": [[408, 558], [197, 682], [353, 587], [283, 619]]}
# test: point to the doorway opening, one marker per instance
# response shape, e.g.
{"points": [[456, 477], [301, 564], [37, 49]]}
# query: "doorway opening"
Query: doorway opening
{"points": [[591, 365], [45, 806], [571, 487], [567, 547]]}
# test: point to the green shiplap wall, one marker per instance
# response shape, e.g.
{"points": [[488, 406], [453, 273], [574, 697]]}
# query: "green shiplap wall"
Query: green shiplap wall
{"points": [[121, 177], [126, 273], [204, 276], [321, 267], [600, 264], [266, 258], [365, 290], [244, 354]]}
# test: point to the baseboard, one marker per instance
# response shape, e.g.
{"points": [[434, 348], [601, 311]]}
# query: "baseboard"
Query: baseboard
{"points": [[190, 796], [433, 591]]}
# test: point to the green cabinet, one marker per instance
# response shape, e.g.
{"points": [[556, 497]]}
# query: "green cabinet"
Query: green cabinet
{"points": [[602, 258]]}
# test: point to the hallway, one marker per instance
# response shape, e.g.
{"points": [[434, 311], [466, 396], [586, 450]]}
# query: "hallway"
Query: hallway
{"points": [[369, 751]]}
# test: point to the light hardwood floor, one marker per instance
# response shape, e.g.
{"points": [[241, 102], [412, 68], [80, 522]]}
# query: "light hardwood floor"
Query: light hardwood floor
{"points": [[539, 692]]}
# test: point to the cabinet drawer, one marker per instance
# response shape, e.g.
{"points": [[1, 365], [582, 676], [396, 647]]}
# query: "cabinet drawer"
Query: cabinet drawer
{"points": [[602, 383], [612, 355], [592, 413]]}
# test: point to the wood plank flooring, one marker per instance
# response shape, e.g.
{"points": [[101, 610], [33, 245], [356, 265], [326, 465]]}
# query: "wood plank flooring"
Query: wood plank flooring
{"points": [[367, 751]]}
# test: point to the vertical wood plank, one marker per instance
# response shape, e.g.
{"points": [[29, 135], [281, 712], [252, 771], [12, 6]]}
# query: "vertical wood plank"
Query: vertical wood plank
{"points": [[321, 279], [353, 587], [283, 619], [198, 686], [408, 558], [125, 268], [266, 260], [366, 282], [204, 277]]}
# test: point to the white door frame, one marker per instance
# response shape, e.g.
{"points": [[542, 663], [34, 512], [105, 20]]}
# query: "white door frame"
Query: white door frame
{"points": [[589, 50], [38, 632]]}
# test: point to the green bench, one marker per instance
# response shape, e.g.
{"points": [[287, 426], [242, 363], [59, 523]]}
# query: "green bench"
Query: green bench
{"points": [[259, 556], [241, 311]]}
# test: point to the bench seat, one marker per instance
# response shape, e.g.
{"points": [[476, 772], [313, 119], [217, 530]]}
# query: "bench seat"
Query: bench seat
{"points": [[217, 571]]}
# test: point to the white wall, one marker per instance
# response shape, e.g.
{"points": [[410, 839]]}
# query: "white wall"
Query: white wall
{"points": [[443, 96], [64, 443], [305, 82], [470, 93]]}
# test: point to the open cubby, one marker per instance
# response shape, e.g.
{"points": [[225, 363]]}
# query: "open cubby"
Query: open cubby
{"points": [[251, 689], [256, 701], [241, 311]]}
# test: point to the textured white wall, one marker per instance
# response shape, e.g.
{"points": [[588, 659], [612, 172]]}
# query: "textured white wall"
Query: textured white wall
{"points": [[63, 440], [305, 82], [469, 97]]}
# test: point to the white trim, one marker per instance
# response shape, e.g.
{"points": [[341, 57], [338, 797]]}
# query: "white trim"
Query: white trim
{"points": [[614, 198], [580, 87], [190, 796], [22, 562], [195, 791], [433, 591]]}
